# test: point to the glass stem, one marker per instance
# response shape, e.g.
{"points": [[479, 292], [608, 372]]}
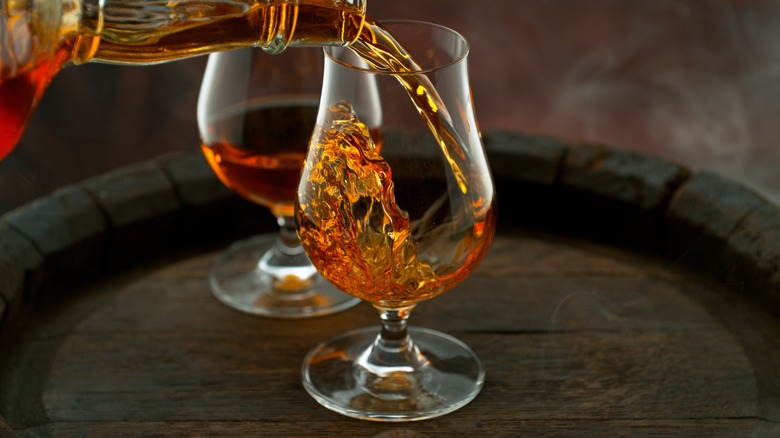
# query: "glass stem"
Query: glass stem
{"points": [[393, 350], [288, 243], [286, 262]]}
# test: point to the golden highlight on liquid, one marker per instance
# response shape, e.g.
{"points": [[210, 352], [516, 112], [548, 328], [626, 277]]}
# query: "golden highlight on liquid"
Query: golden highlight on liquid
{"points": [[348, 219], [359, 238], [380, 49], [185, 29], [258, 150]]}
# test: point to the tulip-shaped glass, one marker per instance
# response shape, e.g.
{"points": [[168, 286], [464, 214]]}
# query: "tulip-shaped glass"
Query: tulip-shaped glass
{"points": [[396, 205], [256, 113]]}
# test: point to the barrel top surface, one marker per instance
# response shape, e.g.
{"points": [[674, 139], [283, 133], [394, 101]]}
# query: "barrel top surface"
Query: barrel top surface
{"points": [[581, 334], [573, 335]]}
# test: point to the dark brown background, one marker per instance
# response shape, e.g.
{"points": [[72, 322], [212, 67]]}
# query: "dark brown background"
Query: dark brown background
{"points": [[696, 82]]}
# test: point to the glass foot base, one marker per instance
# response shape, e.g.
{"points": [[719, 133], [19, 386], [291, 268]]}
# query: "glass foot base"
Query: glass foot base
{"points": [[236, 281], [450, 376]]}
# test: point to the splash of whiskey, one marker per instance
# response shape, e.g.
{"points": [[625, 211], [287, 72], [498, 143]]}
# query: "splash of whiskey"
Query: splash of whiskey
{"points": [[349, 217], [377, 46]]}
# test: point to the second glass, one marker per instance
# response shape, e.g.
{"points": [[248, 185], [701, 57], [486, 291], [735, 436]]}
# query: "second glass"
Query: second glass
{"points": [[256, 113]]}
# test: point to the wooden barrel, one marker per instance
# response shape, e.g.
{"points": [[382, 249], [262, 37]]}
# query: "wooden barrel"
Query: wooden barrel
{"points": [[623, 296]]}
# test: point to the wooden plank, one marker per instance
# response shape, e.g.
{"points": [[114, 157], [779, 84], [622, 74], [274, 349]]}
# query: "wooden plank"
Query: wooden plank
{"points": [[579, 338], [603, 186], [434, 428], [210, 213], [556, 359], [21, 273], [702, 215], [68, 232], [141, 207]]}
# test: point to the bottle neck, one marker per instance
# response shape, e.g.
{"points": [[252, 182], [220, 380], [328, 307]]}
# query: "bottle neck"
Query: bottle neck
{"points": [[142, 32], [56, 27], [82, 24]]}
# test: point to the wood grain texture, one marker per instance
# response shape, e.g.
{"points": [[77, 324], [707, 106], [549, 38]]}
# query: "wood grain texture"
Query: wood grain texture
{"points": [[590, 338], [579, 337]]}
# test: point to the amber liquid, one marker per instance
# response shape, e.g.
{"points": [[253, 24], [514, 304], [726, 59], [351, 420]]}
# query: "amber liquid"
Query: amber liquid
{"points": [[143, 32], [20, 94], [196, 27], [18, 98], [354, 231], [261, 150]]}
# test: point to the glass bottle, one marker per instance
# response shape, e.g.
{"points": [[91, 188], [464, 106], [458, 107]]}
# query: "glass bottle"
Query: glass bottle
{"points": [[39, 37]]}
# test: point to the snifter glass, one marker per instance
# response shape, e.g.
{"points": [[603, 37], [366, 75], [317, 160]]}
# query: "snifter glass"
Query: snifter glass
{"points": [[256, 113], [395, 215]]}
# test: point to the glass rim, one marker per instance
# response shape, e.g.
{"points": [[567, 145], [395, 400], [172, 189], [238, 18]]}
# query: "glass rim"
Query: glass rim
{"points": [[327, 50]]}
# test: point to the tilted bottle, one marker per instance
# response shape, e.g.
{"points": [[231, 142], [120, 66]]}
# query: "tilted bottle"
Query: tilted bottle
{"points": [[39, 37]]}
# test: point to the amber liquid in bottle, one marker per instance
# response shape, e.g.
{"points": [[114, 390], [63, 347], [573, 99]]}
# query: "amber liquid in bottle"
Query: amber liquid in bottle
{"points": [[145, 32], [198, 27], [19, 96], [263, 151]]}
